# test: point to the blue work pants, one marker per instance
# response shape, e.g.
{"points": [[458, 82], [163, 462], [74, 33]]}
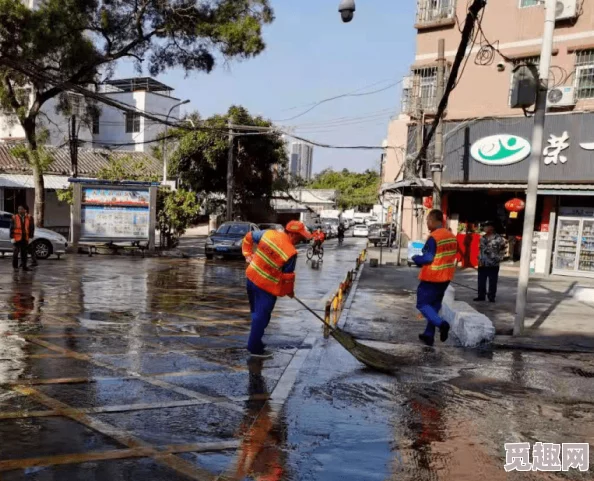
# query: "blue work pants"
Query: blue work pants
{"points": [[429, 299], [261, 305]]}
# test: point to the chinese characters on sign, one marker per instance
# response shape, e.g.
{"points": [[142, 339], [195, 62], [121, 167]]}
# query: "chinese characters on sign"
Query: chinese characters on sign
{"points": [[553, 150], [115, 214], [547, 457]]}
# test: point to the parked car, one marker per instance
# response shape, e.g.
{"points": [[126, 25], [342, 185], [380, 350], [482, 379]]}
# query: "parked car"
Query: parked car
{"points": [[360, 230], [45, 242], [371, 220], [383, 234], [277, 227], [227, 239]]}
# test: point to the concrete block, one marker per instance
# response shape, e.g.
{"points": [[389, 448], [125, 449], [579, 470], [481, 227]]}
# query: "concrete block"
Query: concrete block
{"points": [[583, 294], [450, 295], [469, 327]]}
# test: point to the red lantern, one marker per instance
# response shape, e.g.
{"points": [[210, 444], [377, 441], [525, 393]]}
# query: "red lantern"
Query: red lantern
{"points": [[515, 205], [428, 202]]}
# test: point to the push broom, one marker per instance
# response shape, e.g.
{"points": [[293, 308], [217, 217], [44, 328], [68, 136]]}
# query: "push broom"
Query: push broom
{"points": [[373, 358]]}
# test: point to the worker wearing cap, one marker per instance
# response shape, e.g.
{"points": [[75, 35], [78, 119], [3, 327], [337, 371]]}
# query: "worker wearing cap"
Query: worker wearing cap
{"points": [[438, 265], [270, 274]]}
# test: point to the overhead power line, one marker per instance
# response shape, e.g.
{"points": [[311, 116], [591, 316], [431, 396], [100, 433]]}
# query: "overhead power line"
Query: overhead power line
{"points": [[33, 72], [469, 24], [317, 104]]}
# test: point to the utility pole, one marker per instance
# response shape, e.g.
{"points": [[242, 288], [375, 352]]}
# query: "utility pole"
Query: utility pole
{"points": [[230, 162], [419, 141], [73, 147], [535, 159], [437, 165]]}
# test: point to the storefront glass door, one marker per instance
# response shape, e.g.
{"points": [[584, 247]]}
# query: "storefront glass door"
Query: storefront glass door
{"points": [[587, 247], [568, 232]]}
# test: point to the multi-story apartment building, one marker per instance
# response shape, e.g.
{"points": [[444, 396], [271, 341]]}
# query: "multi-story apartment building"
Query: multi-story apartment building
{"points": [[113, 130], [301, 160], [487, 138]]}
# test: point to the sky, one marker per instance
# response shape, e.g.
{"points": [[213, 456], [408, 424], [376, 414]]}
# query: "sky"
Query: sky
{"points": [[310, 56]]}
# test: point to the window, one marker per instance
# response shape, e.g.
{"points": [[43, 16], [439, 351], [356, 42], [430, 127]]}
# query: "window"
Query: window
{"points": [[420, 91], [429, 11], [5, 221], [525, 70], [132, 123], [529, 3], [584, 74]]}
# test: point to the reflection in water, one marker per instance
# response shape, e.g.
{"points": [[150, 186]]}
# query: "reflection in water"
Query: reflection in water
{"points": [[260, 457], [426, 426], [23, 308]]}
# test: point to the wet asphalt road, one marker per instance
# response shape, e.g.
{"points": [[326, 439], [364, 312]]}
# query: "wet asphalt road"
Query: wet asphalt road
{"points": [[129, 368]]}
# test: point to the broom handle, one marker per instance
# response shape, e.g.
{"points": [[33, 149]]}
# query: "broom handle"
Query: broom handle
{"points": [[313, 312]]}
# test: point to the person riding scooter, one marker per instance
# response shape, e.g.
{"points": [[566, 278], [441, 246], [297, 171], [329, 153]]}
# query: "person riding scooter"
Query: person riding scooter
{"points": [[318, 238]]}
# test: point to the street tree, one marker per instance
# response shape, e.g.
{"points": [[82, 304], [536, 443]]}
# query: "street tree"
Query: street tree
{"points": [[354, 189], [200, 162], [80, 41]]}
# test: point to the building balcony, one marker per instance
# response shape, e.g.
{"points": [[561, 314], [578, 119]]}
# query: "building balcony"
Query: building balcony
{"points": [[419, 92], [435, 13]]}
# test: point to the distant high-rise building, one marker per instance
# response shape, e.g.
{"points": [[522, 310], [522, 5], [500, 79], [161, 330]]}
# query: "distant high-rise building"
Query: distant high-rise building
{"points": [[301, 160]]}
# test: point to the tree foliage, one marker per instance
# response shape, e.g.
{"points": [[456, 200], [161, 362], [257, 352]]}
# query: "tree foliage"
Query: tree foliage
{"points": [[76, 41], [354, 189], [200, 162]]}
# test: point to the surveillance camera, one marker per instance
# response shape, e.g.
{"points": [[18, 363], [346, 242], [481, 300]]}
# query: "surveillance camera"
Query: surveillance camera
{"points": [[347, 10], [500, 67]]}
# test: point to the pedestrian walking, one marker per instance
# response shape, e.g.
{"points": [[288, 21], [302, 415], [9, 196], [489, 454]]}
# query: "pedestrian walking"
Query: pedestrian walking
{"points": [[491, 253], [438, 265], [31, 246], [22, 230], [270, 274]]}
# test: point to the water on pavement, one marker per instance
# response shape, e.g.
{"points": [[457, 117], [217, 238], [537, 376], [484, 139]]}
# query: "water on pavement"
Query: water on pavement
{"points": [[125, 369]]}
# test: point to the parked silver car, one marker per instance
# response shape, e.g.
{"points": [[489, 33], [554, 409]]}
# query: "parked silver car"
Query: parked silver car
{"points": [[45, 242]]}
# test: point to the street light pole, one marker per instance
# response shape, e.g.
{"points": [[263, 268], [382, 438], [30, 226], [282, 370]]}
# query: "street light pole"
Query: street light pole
{"points": [[535, 159], [165, 139], [230, 162]]}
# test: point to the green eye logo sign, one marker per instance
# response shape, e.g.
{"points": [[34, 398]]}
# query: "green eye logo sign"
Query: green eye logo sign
{"points": [[500, 150]]}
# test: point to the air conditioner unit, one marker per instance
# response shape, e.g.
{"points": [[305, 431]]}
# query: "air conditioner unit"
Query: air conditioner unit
{"points": [[561, 97], [407, 82], [566, 9]]}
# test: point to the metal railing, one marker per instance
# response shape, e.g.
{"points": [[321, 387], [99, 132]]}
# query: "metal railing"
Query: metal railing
{"points": [[335, 304], [429, 11], [584, 74], [419, 93]]}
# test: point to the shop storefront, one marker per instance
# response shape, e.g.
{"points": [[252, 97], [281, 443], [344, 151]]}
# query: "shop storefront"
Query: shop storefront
{"points": [[574, 247], [486, 165]]}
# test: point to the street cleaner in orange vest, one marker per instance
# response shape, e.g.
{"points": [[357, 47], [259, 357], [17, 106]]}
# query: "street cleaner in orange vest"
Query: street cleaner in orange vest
{"points": [[270, 274], [22, 230], [438, 265]]}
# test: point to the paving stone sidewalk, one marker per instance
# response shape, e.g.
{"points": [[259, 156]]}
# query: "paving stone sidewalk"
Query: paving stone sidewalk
{"points": [[383, 309]]}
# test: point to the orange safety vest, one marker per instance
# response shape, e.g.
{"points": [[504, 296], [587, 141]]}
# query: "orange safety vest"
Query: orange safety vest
{"points": [[18, 228], [443, 267], [266, 269]]}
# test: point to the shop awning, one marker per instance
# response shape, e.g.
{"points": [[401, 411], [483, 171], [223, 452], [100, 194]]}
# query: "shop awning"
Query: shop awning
{"points": [[20, 181], [409, 187], [288, 206], [579, 189]]}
